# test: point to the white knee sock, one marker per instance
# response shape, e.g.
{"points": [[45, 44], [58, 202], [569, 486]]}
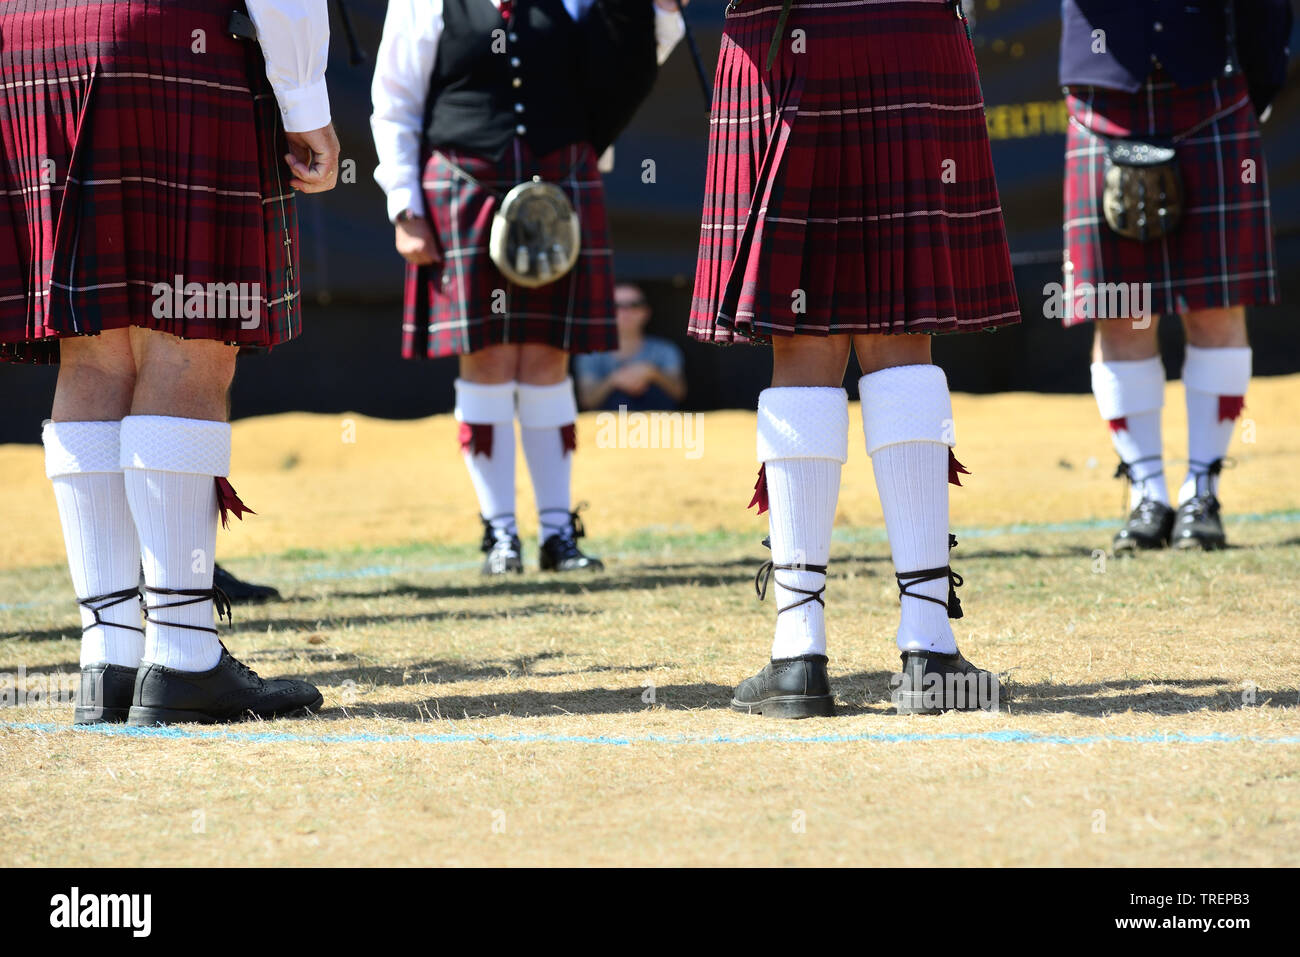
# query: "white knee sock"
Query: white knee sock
{"points": [[486, 414], [170, 465], [803, 445], [1130, 396], [908, 426], [82, 462], [1215, 382], [546, 417]]}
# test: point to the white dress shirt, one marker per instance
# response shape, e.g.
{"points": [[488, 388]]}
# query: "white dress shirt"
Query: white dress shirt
{"points": [[295, 40], [403, 68]]}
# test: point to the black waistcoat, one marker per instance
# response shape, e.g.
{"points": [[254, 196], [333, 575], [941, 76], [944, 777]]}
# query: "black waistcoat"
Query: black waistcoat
{"points": [[493, 80]]}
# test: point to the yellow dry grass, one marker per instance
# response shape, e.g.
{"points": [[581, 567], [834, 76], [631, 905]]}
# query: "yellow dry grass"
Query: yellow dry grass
{"points": [[583, 721], [342, 482]]}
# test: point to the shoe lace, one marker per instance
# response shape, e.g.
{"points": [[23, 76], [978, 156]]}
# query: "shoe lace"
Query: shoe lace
{"points": [[239, 664], [769, 568], [193, 596], [108, 601], [955, 581], [1200, 506], [490, 539], [571, 529], [1207, 471], [1125, 471], [1148, 510]]}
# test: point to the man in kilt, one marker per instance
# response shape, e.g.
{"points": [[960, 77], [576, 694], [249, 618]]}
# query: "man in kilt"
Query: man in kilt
{"points": [[471, 99], [1164, 72], [850, 205], [147, 233]]}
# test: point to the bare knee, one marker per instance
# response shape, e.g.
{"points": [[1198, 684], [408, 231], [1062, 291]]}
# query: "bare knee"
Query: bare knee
{"points": [[189, 378], [491, 366], [884, 352], [542, 365], [1125, 340], [809, 360], [97, 377], [1216, 328]]}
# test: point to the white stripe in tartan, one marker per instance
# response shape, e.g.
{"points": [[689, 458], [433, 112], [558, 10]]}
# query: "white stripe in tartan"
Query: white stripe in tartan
{"points": [[743, 12], [113, 75]]}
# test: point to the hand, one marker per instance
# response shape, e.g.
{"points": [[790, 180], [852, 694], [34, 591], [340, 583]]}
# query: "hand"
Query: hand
{"points": [[415, 242], [670, 6], [313, 158], [633, 379]]}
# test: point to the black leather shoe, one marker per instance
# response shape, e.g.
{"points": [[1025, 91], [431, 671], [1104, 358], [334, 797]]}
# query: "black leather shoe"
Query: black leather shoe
{"points": [[105, 694], [504, 555], [931, 683], [241, 592], [229, 692], [1198, 525], [787, 688], [1147, 527], [560, 552]]}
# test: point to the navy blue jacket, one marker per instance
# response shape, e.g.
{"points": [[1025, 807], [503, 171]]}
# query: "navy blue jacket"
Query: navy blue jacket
{"points": [[1189, 39]]}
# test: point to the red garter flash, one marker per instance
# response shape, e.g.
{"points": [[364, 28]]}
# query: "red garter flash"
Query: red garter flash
{"points": [[229, 502], [955, 468], [476, 439], [760, 491], [1230, 407]]}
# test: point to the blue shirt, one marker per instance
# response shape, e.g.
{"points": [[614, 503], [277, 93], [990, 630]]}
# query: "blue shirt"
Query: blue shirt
{"points": [[660, 353]]}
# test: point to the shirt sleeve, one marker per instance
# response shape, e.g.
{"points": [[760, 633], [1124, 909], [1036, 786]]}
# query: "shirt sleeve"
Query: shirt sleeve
{"points": [[403, 66], [667, 356], [669, 30], [593, 366], [295, 40]]}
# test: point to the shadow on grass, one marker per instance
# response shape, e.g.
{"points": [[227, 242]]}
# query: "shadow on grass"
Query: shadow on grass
{"points": [[856, 694]]}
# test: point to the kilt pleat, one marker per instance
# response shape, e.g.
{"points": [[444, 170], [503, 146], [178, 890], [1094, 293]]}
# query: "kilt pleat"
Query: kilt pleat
{"points": [[851, 189], [463, 303], [1221, 253], [141, 181]]}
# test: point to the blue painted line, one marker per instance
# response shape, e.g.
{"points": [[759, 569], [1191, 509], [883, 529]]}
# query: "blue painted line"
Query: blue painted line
{"points": [[996, 737]]}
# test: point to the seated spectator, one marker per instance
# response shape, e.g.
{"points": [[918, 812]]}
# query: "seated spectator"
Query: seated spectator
{"points": [[644, 373]]}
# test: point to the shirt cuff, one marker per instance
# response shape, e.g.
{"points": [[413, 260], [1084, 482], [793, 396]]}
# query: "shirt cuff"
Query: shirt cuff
{"points": [[669, 30], [404, 197], [306, 108]]}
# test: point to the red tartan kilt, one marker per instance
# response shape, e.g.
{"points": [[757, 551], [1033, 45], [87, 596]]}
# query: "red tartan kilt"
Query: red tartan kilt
{"points": [[1221, 254], [463, 304], [850, 190], [127, 159]]}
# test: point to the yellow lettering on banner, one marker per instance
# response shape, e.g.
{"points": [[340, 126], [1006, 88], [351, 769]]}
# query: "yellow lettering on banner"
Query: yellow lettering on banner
{"points": [[1015, 121]]}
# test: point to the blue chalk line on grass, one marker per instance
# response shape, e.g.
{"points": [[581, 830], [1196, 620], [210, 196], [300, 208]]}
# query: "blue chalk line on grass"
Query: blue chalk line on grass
{"points": [[997, 737]]}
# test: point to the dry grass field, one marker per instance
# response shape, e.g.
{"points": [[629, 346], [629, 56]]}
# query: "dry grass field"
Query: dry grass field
{"points": [[545, 720]]}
